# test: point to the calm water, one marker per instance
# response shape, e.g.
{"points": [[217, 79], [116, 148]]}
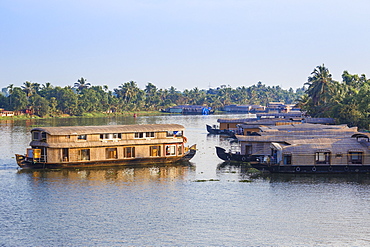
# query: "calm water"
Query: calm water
{"points": [[207, 203]]}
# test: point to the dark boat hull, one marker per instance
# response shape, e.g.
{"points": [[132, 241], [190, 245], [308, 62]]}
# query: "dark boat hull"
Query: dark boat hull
{"points": [[255, 162], [26, 164], [305, 169], [222, 154], [219, 132]]}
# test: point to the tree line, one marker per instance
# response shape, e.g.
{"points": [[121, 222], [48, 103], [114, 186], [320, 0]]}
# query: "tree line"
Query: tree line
{"points": [[82, 97], [347, 101]]}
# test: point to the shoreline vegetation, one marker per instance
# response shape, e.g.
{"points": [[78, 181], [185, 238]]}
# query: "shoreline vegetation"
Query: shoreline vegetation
{"points": [[346, 101], [87, 115]]}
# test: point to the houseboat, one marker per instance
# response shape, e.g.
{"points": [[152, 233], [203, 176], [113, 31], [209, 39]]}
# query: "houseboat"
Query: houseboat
{"points": [[190, 110], [90, 146], [304, 148]]}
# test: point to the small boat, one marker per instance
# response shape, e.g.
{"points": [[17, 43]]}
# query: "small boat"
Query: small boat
{"points": [[239, 157], [112, 145], [232, 156], [216, 131]]}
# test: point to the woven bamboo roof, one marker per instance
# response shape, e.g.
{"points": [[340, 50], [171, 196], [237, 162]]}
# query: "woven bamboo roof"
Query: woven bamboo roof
{"points": [[284, 138], [333, 145], [105, 129]]}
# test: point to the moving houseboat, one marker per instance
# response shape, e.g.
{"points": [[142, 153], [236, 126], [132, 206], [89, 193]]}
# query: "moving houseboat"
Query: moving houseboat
{"points": [[90, 146], [304, 148]]}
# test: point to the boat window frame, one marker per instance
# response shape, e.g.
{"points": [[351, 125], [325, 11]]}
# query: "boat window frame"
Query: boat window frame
{"points": [[155, 147], [355, 161], [174, 133], [180, 150], [132, 152], [36, 135], [143, 135], [81, 154], [287, 159], [82, 137], [108, 152], [326, 154], [170, 150], [110, 136]]}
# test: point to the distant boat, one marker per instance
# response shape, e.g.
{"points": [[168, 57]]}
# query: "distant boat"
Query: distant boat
{"points": [[190, 110]]}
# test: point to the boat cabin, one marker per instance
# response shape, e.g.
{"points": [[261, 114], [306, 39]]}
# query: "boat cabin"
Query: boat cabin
{"points": [[78, 144], [345, 151]]}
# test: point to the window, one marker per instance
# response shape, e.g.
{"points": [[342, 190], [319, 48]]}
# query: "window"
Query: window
{"points": [[179, 150], [84, 154], [322, 158], [287, 159], [117, 136], [355, 157], [82, 137], [139, 135], [170, 150], [65, 154], [149, 134], [129, 152], [110, 136], [35, 135], [43, 135], [174, 133], [155, 150], [111, 153], [170, 133]]}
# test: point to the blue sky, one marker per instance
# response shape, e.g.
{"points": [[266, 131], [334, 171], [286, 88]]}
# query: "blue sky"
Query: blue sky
{"points": [[184, 44]]}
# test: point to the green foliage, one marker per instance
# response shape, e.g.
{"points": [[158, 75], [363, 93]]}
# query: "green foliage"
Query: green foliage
{"points": [[348, 101]]}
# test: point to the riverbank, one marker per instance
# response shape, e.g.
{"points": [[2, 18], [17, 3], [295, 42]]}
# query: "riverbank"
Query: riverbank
{"points": [[88, 115]]}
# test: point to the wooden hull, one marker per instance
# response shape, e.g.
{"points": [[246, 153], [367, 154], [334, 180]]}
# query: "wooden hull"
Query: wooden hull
{"points": [[26, 164], [311, 169]]}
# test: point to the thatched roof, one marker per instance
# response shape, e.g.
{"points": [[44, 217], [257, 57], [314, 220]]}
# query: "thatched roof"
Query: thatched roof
{"points": [[333, 145], [105, 129]]}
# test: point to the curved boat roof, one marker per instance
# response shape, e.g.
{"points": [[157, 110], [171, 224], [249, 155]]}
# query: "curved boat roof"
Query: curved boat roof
{"points": [[105, 129]]}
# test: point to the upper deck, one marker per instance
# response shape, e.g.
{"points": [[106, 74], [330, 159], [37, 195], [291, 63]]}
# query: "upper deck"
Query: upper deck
{"points": [[109, 135]]}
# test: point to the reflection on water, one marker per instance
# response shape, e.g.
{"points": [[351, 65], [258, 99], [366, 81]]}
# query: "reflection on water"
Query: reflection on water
{"points": [[116, 174], [317, 178]]}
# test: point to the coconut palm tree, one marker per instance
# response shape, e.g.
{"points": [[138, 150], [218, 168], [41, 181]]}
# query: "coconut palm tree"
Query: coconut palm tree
{"points": [[81, 84], [320, 85], [28, 88]]}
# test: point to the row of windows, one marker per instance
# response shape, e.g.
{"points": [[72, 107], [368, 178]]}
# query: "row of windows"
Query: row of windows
{"points": [[324, 158], [144, 135], [111, 136], [128, 152], [37, 136]]}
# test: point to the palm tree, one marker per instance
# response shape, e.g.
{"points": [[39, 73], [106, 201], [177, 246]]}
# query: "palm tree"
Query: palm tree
{"points": [[128, 91], [81, 84], [320, 85], [28, 88]]}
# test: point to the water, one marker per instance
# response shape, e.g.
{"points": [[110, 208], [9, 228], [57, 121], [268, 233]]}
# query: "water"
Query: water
{"points": [[208, 203]]}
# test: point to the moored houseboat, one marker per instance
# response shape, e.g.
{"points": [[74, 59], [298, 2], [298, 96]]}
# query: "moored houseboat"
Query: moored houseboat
{"points": [[90, 146], [321, 155], [304, 148]]}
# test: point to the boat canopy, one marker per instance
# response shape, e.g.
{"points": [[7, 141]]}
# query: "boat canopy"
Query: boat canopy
{"points": [[83, 130]]}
